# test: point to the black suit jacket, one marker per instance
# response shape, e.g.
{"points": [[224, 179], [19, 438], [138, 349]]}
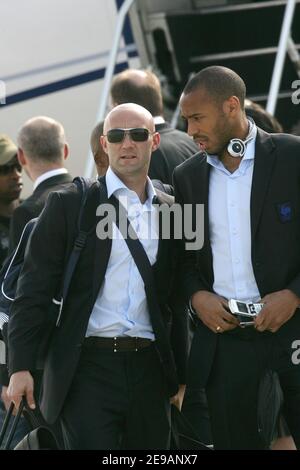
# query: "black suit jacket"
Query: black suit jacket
{"points": [[51, 243], [275, 231], [175, 147], [33, 205]]}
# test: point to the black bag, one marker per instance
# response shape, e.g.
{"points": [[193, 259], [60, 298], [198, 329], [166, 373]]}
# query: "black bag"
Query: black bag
{"points": [[270, 399], [41, 438], [183, 435]]}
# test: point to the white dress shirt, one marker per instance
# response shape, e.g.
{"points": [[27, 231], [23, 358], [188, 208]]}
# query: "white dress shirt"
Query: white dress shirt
{"points": [[230, 229], [121, 307], [49, 174]]}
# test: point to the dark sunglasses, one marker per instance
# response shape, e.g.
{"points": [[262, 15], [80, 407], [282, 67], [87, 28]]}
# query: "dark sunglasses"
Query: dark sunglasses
{"points": [[137, 134], [7, 169]]}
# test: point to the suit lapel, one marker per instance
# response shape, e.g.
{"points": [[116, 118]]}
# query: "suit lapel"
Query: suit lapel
{"points": [[205, 198], [263, 166], [163, 244], [207, 246], [201, 196]]}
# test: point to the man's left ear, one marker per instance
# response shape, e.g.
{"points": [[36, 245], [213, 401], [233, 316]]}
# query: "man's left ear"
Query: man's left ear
{"points": [[155, 141], [231, 106]]}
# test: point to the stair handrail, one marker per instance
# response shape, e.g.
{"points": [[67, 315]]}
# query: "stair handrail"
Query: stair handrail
{"points": [[280, 56], [90, 165]]}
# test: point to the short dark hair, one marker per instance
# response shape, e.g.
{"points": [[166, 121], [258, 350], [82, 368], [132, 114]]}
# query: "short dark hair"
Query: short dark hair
{"points": [[144, 90], [262, 117], [219, 82], [95, 137]]}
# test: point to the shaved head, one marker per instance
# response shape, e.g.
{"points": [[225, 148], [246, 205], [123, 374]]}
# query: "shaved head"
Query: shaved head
{"points": [[129, 115], [128, 157]]}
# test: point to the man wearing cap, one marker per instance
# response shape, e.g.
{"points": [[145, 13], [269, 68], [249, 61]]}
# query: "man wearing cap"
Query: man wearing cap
{"points": [[10, 188]]}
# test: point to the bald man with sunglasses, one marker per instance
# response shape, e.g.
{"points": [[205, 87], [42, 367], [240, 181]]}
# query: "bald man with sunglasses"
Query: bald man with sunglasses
{"points": [[111, 367]]}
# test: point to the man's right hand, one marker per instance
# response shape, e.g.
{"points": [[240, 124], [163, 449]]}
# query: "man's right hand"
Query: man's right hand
{"points": [[21, 384], [213, 311]]}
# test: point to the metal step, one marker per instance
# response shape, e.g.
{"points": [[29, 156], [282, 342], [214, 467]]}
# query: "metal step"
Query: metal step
{"points": [[208, 10], [235, 54], [243, 6]]}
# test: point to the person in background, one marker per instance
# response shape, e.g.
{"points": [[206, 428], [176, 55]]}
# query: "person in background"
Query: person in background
{"points": [[100, 156], [42, 151], [10, 189], [262, 117], [143, 87]]}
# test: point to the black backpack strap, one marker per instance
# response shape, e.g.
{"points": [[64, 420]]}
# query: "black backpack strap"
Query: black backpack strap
{"points": [[18, 253], [14, 424], [134, 245], [145, 269], [93, 193]]}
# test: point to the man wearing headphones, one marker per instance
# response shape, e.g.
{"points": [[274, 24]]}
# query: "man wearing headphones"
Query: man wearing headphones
{"points": [[248, 182]]}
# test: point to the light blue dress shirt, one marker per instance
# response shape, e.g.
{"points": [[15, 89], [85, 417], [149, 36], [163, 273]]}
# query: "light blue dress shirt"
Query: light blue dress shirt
{"points": [[121, 307], [230, 228]]}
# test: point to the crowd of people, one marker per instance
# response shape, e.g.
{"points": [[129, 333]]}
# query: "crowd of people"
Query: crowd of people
{"points": [[146, 322]]}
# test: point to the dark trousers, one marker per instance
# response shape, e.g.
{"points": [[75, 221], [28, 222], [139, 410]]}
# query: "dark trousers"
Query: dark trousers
{"points": [[195, 409], [117, 401], [232, 388], [194, 406]]}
